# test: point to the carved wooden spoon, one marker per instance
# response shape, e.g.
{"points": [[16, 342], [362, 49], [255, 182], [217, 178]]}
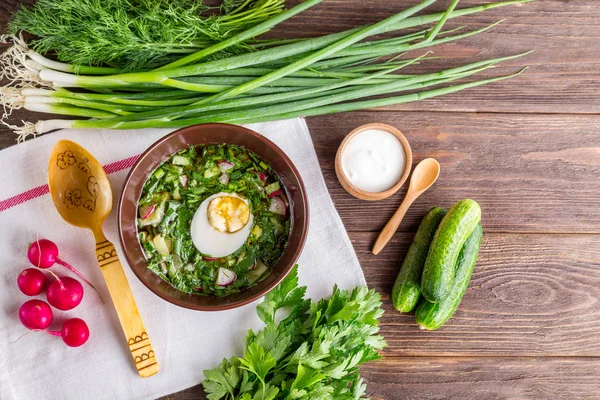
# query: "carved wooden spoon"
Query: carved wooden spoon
{"points": [[424, 175], [82, 195]]}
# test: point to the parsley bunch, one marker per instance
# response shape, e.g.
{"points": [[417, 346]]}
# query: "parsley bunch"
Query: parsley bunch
{"points": [[311, 354]]}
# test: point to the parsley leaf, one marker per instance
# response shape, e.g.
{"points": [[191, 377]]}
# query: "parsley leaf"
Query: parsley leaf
{"points": [[286, 294], [258, 361], [311, 354]]}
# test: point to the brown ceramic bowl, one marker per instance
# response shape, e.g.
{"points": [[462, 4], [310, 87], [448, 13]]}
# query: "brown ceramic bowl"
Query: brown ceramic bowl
{"points": [[207, 134]]}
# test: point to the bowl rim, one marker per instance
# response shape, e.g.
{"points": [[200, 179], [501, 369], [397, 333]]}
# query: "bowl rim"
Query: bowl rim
{"points": [[284, 272], [363, 194]]}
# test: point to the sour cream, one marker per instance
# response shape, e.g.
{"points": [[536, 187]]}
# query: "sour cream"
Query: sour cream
{"points": [[373, 160]]}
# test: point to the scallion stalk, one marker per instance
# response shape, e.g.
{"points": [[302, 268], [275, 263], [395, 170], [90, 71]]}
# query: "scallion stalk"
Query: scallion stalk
{"points": [[240, 37], [282, 79], [264, 56]]}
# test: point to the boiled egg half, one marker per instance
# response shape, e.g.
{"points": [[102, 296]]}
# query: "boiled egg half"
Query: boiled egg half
{"points": [[221, 224]]}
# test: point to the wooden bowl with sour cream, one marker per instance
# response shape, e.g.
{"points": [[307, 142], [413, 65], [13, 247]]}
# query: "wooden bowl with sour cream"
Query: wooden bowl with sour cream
{"points": [[372, 169]]}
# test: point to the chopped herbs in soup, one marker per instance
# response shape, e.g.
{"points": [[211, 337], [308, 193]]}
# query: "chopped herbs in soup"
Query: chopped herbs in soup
{"points": [[213, 219]]}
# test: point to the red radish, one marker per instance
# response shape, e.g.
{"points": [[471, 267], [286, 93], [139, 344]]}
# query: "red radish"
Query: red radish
{"points": [[35, 314], [211, 258], [31, 281], [150, 211], [225, 277], [65, 294], [284, 199], [74, 332], [43, 253], [183, 179], [277, 206], [262, 176], [225, 166], [276, 193], [224, 179]]}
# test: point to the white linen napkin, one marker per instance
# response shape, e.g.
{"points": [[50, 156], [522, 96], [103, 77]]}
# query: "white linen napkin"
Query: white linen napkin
{"points": [[40, 366]]}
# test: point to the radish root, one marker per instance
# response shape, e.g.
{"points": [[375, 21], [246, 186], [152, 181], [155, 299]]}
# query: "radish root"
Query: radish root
{"points": [[25, 334]]}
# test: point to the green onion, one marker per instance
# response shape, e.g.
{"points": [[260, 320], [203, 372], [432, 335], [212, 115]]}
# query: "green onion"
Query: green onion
{"points": [[279, 79], [244, 60], [240, 37], [252, 101], [436, 29], [365, 104]]}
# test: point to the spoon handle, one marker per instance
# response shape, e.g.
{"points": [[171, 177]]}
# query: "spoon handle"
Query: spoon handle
{"points": [[393, 224], [127, 311]]}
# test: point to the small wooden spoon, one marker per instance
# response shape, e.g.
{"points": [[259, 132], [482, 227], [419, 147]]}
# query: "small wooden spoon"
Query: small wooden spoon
{"points": [[424, 175], [82, 195]]}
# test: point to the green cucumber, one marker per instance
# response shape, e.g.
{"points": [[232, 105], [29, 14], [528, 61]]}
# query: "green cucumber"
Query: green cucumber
{"points": [[455, 228], [433, 315], [407, 288], [180, 160], [273, 187]]}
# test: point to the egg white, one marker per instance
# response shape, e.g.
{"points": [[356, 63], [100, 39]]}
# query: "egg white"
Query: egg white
{"points": [[209, 240]]}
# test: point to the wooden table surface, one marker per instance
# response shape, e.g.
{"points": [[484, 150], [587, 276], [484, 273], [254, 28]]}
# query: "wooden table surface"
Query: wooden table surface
{"points": [[528, 150]]}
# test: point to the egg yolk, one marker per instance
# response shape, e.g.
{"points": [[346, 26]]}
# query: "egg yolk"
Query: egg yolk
{"points": [[228, 214]]}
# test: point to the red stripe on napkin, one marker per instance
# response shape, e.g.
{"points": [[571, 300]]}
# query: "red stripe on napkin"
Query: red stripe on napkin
{"points": [[120, 165], [23, 197], [44, 189]]}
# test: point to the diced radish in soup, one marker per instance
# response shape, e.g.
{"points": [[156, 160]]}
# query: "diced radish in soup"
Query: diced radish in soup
{"points": [[275, 193], [224, 179], [259, 269], [284, 199], [273, 187], [277, 206], [151, 214], [260, 175], [147, 210], [225, 166], [183, 179], [225, 277]]}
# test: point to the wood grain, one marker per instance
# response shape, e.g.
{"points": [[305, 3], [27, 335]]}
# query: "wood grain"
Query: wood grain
{"points": [[483, 378], [528, 150], [530, 295], [564, 74], [429, 378], [529, 172]]}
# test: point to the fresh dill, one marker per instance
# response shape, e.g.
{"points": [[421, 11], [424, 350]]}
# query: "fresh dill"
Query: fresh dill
{"points": [[137, 34]]}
